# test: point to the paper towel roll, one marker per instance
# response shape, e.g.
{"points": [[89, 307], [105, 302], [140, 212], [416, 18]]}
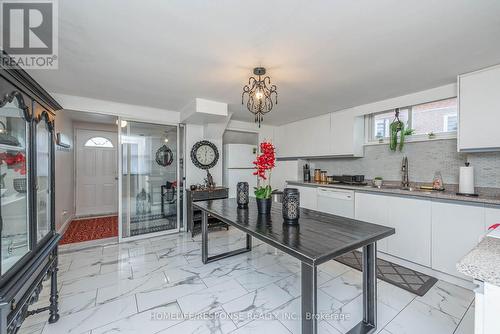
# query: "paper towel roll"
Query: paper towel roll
{"points": [[466, 185]]}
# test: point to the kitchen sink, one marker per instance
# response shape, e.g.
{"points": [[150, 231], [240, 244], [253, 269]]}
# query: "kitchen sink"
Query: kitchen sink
{"points": [[410, 189], [413, 189]]}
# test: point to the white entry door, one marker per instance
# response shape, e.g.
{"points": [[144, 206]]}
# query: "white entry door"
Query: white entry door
{"points": [[96, 172]]}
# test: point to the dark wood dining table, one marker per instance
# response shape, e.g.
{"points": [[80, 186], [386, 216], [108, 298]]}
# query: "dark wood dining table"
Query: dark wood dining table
{"points": [[318, 238]]}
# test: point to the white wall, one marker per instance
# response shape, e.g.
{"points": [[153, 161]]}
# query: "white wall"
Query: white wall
{"points": [[64, 169], [195, 133], [95, 126], [429, 95], [194, 175], [137, 112]]}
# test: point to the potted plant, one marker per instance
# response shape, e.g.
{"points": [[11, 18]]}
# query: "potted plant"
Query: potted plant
{"points": [[410, 132], [377, 181], [264, 163]]}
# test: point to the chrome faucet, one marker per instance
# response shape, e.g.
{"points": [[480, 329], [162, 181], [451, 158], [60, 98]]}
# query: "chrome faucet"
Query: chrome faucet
{"points": [[405, 180]]}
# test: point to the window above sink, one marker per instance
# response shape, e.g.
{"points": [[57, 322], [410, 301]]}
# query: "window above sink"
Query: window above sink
{"points": [[431, 120]]}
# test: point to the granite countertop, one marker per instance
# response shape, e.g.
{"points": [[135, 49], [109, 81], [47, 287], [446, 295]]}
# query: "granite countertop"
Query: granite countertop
{"points": [[486, 196], [483, 262]]}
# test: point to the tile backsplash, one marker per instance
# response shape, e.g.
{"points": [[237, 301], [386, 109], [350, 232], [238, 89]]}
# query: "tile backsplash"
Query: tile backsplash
{"points": [[425, 158]]}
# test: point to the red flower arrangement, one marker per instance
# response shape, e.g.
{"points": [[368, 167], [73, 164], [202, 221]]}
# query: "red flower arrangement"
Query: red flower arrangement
{"points": [[16, 161], [265, 162]]}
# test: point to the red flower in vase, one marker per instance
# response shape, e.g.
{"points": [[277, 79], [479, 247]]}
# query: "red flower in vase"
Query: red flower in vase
{"points": [[265, 161], [16, 161]]}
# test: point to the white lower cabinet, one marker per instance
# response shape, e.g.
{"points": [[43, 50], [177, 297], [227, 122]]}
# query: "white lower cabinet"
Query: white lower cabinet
{"points": [[411, 218], [431, 233], [456, 229], [373, 209], [307, 197]]}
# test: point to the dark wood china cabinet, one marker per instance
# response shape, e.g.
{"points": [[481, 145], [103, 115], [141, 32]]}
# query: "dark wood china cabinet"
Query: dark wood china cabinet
{"points": [[28, 243]]}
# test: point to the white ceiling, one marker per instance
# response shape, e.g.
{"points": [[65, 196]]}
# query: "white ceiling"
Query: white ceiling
{"points": [[323, 55]]}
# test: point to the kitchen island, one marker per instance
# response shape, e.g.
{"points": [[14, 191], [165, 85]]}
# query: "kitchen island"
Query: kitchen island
{"points": [[482, 263], [317, 239]]}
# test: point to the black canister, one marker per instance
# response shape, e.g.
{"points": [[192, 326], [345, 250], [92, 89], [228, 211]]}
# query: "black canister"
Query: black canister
{"points": [[291, 206], [242, 194], [307, 173]]}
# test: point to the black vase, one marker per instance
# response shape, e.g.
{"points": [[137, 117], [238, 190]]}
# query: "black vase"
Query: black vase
{"points": [[242, 195], [291, 206], [264, 206]]}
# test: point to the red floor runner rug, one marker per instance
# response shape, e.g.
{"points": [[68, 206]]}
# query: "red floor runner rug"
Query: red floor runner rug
{"points": [[90, 229]]}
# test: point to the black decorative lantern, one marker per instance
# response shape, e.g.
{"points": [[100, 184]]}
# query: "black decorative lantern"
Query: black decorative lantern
{"points": [[242, 194], [291, 206]]}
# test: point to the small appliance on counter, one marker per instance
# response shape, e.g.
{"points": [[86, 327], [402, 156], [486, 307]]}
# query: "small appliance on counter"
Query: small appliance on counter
{"points": [[466, 181], [307, 173], [355, 180]]}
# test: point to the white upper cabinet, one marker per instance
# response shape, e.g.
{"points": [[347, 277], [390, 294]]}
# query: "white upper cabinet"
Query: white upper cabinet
{"points": [[347, 134], [335, 134], [306, 138], [479, 110]]}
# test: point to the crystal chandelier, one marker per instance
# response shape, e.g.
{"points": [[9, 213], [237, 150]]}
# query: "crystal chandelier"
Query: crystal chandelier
{"points": [[260, 94]]}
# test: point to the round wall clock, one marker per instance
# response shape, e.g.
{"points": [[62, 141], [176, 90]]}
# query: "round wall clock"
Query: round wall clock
{"points": [[204, 154], [164, 156]]}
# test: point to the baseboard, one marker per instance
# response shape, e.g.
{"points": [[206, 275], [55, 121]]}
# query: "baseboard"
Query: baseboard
{"points": [[65, 225]]}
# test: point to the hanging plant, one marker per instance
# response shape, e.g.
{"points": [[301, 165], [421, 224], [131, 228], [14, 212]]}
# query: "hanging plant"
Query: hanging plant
{"points": [[397, 127]]}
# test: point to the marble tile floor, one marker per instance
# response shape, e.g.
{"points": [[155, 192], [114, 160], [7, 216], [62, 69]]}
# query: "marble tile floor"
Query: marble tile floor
{"points": [[159, 285]]}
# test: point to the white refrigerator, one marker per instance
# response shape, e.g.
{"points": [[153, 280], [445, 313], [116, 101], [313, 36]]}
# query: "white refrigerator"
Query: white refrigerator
{"points": [[238, 167]]}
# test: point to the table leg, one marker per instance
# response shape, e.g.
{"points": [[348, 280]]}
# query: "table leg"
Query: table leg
{"points": [[204, 243], [204, 236], [309, 283], [369, 323]]}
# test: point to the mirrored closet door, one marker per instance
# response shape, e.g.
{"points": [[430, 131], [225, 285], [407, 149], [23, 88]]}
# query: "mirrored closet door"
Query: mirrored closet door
{"points": [[149, 179]]}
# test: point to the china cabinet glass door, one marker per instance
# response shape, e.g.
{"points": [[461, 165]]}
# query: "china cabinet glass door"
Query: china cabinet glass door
{"points": [[43, 178], [14, 182]]}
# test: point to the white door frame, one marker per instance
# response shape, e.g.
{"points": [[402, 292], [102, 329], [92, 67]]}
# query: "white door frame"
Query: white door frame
{"points": [[75, 166], [120, 182]]}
